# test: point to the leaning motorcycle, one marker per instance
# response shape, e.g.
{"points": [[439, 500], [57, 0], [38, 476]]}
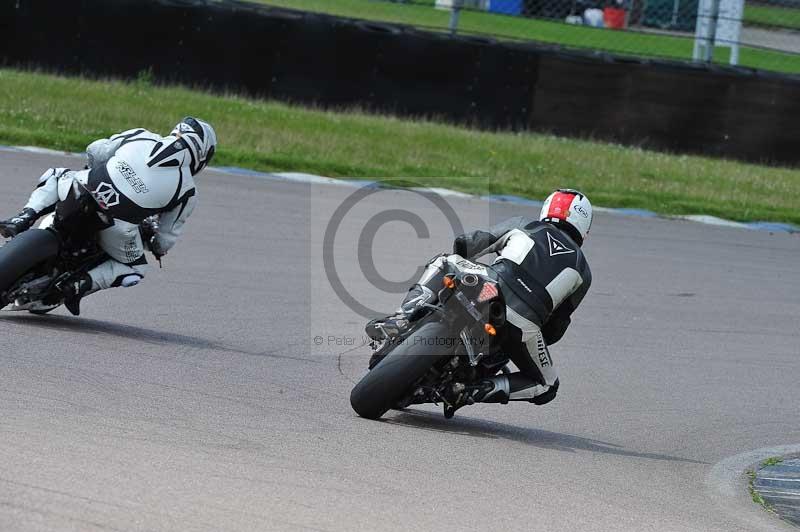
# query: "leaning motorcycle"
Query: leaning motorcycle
{"points": [[35, 264], [452, 347]]}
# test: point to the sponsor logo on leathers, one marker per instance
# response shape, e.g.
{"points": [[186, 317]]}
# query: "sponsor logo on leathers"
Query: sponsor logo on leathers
{"points": [[106, 195], [557, 247], [130, 176]]}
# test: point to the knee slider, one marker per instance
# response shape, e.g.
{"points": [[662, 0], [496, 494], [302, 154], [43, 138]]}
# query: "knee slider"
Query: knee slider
{"points": [[126, 281], [131, 280]]}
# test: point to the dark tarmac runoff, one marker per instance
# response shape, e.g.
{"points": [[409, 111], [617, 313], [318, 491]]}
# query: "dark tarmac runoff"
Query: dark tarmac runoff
{"points": [[215, 395]]}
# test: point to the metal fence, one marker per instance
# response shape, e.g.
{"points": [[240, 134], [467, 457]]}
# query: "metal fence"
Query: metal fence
{"points": [[758, 34]]}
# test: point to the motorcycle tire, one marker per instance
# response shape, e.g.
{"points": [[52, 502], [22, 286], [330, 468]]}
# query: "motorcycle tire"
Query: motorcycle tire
{"points": [[390, 380], [23, 253]]}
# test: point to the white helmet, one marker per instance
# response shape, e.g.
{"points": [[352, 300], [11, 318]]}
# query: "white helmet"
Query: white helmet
{"points": [[569, 210], [200, 139]]}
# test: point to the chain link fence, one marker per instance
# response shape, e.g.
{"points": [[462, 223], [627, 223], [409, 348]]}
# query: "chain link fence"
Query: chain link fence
{"points": [[751, 33]]}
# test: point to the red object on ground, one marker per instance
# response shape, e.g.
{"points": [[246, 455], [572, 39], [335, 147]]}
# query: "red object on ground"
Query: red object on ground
{"points": [[614, 18]]}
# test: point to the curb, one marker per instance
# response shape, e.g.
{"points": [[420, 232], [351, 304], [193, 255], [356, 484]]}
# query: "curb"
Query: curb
{"points": [[727, 483], [772, 227], [779, 487]]}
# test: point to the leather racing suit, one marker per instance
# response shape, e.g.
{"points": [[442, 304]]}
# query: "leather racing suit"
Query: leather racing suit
{"points": [[544, 276], [134, 175]]}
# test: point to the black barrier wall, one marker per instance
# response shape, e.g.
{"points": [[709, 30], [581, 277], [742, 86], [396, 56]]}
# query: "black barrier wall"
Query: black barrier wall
{"points": [[334, 62]]}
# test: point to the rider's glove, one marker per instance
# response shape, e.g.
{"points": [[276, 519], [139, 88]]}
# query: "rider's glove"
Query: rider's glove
{"points": [[149, 230], [155, 247]]}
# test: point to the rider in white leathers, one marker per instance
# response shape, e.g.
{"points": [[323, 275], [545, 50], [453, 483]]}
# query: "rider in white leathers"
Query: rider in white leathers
{"points": [[135, 175]]}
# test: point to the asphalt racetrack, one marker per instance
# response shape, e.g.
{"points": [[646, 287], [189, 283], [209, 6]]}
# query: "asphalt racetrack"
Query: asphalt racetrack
{"points": [[215, 396]]}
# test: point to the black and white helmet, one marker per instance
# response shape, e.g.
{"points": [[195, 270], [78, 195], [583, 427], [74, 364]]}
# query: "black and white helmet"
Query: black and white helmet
{"points": [[200, 140]]}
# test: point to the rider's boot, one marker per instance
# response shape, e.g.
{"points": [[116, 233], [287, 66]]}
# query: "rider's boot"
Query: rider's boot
{"points": [[73, 291], [16, 225], [412, 308], [502, 389], [494, 390]]}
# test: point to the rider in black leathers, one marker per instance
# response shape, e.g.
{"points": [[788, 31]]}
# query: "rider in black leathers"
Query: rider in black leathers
{"points": [[543, 275]]}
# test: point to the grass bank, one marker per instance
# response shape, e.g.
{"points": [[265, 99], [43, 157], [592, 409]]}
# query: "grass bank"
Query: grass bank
{"points": [[68, 113], [778, 16], [622, 42]]}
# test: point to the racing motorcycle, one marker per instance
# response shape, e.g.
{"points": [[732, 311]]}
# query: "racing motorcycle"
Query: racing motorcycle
{"points": [[455, 345], [36, 263]]}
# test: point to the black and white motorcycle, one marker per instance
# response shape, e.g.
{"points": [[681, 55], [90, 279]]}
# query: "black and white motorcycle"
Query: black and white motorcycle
{"points": [[451, 348], [35, 263]]}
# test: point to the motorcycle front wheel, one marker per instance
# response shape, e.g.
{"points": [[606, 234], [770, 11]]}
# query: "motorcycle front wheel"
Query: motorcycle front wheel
{"points": [[23, 253]]}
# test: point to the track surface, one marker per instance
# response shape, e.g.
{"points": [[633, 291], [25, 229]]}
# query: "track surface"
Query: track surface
{"points": [[199, 401]]}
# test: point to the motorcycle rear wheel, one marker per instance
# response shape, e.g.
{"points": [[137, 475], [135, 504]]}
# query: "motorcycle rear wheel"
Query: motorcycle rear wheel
{"points": [[391, 380]]}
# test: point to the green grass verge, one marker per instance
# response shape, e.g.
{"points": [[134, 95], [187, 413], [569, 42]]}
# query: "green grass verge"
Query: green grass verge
{"points": [[623, 42], [783, 17], [753, 474], [754, 494], [68, 113]]}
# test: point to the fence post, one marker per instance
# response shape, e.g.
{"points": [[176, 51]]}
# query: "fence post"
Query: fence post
{"points": [[712, 31], [455, 14]]}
